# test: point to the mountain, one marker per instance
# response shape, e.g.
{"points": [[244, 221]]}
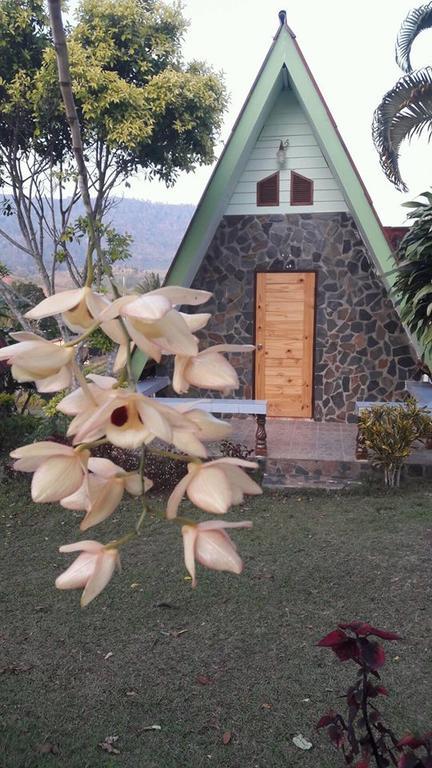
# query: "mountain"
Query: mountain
{"points": [[156, 228]]}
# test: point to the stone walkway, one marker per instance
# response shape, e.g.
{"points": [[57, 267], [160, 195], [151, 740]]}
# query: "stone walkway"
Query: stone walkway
{"points": [[298, 439], [315, 454]]}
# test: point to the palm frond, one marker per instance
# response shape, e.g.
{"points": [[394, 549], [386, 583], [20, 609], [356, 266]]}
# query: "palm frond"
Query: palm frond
{"points": [[405, 111], [417, 20]]}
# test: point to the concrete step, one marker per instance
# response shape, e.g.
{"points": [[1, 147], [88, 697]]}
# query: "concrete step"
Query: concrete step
{"points": [[332, 474]]}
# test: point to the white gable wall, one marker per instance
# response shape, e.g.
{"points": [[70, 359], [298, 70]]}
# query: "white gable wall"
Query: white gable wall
{"points": [[287, 121]]}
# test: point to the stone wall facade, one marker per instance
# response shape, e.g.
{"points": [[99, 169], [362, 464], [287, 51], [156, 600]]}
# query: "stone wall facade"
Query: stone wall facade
{"points": [[361, 349]]}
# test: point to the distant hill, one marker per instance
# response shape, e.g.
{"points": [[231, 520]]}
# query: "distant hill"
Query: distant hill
{"points": [[156, 228]]}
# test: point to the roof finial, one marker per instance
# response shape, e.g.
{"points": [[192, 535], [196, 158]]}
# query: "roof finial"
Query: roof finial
{"points": [[282, 17]]}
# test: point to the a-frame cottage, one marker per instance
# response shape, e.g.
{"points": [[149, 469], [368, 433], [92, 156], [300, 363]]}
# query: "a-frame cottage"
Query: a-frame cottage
{"points": [[287, 239]]}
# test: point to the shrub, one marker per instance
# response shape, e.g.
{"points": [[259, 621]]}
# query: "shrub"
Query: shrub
{"points": [[362, 734], [389, 433], [235, 450], [165, 473]]}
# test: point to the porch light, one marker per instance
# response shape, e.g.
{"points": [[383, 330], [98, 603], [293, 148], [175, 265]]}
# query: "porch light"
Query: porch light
{"points": [[281, 153]]}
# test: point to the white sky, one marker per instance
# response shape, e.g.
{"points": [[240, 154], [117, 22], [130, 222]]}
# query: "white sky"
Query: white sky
{"points": [[349, 46]]}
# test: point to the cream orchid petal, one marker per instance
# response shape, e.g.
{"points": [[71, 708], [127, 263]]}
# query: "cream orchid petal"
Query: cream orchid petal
{"points": [[104, 568], [44, 448], [120, 358], [148, 307], [177, 495], [41, 357], [235, 462], [217, 525], [26, 336], [215, 550], [211, 371], [78, 573], [174, 335], [210, 428], [189, 443], [209, 490], [114, 308], [229, 348], [133, 484], [105, 500], [102, 382], [180, 383], [104, 467], [80, 500], [57, 477], [86, 545], [56, 304], [196, 322], [142, 342], [96, 421], [239, 479], [129, 439], [28, 465], [55, 383], [178, 295], [189, 533], [80, 422], [153, 420], [73, 403]]}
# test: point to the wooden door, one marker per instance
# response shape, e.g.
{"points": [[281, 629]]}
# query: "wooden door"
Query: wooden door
{"points": [[285, 309]]}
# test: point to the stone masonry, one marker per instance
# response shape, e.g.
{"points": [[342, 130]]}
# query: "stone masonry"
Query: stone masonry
{"points": [[361, 349]]}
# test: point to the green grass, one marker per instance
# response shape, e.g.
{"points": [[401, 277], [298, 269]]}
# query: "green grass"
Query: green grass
{"points": [[311, 560]]}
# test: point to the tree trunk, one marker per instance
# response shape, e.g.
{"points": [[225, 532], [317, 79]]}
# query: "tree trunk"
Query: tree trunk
{"points": [[65, 83]]}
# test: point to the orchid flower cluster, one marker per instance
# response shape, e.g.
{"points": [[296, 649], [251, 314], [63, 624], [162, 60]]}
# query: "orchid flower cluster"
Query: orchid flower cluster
{"points": [[106, 409]]}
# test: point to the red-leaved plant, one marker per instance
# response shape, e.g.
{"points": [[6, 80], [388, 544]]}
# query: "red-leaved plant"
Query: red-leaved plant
{"points": [[361, 734]]}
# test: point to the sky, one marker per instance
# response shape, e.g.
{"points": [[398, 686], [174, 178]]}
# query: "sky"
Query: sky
{"points": [[349, 45]]}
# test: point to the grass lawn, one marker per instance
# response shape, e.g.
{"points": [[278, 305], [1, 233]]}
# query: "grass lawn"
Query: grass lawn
{"points": [[247, 662]]}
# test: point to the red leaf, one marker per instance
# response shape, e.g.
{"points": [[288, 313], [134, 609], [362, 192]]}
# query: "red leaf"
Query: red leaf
{"points": [[361, 629], [373, 691], [327, 719], [408, 760], [362, 764], [226, 738], [411, 741], [372, 654], [343, 646], [336, 735], [333, 638]]}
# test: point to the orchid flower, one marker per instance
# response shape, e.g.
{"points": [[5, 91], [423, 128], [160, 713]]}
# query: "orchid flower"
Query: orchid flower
{"points": [[214, 486], [58, 469], [47, 363], [92, 569], [102, 491], [128, 420], [82, 404], [80, 310], [208, 544], [208, 369], [155, 326]]}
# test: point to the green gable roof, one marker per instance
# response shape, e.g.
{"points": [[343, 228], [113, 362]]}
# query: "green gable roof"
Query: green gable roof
{"points": [[284, 58]]}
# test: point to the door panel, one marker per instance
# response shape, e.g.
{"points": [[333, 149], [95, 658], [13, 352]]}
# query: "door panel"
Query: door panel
{"points": [[285, 311]]}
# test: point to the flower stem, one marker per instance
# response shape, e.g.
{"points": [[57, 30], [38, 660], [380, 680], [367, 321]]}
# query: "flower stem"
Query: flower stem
{"points": [[83, 382], [85, 335]]}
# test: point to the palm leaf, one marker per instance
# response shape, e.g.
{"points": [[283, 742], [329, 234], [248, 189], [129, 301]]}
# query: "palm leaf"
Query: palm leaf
{"points": [[405, 111], [417, 20]]}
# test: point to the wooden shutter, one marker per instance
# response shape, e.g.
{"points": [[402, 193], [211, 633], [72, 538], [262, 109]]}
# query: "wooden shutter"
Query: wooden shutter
{"points": [[301, 189], [268, 190]]}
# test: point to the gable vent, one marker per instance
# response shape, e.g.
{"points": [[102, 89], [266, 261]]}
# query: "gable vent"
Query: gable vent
{"points": [[301, 189], [268, 190]]}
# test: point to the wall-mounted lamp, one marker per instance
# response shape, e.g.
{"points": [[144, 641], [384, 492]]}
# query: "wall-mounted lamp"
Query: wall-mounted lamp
{"points": [[281, 153]]}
